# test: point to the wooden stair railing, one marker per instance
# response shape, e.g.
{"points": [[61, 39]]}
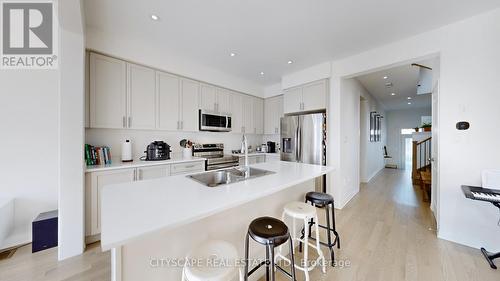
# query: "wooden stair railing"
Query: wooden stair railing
{"points": [[421, 158]]}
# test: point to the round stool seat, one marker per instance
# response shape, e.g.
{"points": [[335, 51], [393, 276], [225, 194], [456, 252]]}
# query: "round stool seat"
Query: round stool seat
{"points": [[319, 198], [217, 260], [300, 210], [267, 230]]}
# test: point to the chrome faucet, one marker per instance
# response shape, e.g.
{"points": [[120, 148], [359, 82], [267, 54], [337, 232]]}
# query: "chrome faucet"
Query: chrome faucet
{"points": [[244, 144]]}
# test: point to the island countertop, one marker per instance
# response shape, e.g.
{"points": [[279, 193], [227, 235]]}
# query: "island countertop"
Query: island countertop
{"points": [[131, 210]]}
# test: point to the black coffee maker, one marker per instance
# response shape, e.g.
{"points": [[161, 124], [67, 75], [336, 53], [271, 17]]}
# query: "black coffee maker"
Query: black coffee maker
{"points": [[271, 147], [157, 150]]}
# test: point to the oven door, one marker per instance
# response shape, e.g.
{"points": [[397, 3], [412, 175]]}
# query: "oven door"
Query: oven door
{"points": [[214, 122]]}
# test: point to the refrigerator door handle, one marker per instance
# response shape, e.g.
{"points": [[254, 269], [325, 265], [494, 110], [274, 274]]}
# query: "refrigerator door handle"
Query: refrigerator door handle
{"points": [[298, 142]]}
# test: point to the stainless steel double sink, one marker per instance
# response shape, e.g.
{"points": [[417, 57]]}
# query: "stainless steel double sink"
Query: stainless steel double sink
{"points": [[227, 176]]}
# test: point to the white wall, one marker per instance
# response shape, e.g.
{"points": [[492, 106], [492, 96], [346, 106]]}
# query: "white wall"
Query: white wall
{"points": [[71, 122], [371, 153], [468, 91], [139, 51], [141, 138], [402, 119]]}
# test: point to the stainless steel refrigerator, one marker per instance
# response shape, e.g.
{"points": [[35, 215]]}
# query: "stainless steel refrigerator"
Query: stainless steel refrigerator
{"points": [[303, 139]]}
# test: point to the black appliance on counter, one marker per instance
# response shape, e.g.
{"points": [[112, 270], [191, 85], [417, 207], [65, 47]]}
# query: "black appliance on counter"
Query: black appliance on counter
{"points": [[156, 151], [214, 153], [271, 147]]}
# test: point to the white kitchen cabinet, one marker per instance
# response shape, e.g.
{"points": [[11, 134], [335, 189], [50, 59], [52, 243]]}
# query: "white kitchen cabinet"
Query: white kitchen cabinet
{"points": [[273, 111], [189, 104], [153, 172], [187, 168], [141, 91], [252, 159], [314, 95], [94, 183], [208, 97], [308, 97], [248, 113], [237, 115], [258, 111], [108, 94], [168, 101], [223, 104], [274, 157]]}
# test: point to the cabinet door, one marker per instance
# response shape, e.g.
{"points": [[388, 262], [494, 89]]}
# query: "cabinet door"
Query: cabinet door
{"points": [[223, 101], [208, 97], [292, 100], [247, 103], [142, 97], [99, 180], [279, 113], [189, 103], [272, 157], [108, 96], [261, 158], [187, 168], [258, 118], [269, 116], [168, 89], [153, 172], [237, 115], [314, 95]]}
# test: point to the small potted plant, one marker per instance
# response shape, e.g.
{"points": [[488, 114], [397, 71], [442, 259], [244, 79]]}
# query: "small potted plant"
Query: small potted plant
{"points": [[186, 146], [427, 127]]}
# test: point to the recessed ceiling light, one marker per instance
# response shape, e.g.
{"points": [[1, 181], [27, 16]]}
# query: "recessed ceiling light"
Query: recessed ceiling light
{"points": [[385, 77], [155, 17], [262, 73], [232, 54], [393, 94], [290, 62], [409, 98], [409, 103]]}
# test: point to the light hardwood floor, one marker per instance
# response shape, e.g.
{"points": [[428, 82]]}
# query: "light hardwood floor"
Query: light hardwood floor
{"points": [[386, 231]]}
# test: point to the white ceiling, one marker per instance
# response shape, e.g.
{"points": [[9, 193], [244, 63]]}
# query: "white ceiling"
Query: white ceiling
{"points": [[265, 34], [404, 80]]}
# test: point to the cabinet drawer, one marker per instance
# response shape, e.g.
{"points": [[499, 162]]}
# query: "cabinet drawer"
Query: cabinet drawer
{"points": [[185, 168]]}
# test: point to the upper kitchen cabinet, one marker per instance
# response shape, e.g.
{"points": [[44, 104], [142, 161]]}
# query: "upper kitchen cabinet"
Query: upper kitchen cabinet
{"points": [[258, 116], [208, 97], [108, 93], [273, 111], [189, 103], [141, 97], [223, 104], [168, 101], [237, 115], [248, 114], [308, 97]]}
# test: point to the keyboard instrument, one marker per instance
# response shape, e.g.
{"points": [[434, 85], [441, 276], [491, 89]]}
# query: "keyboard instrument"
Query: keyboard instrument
{"points": [[483, 194]]}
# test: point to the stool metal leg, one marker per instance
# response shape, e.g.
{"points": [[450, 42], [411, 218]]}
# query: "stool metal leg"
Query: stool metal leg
{"points": [[329, 234], [267, 263], [246, 257], [337, 237], [320, 253], [292, 259], [306, 248], [271, 260]]}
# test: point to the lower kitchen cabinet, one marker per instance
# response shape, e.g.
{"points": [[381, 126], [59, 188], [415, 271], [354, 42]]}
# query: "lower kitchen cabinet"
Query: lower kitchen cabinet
{"points": [[273, 157], [95, 181], [253, 159]]}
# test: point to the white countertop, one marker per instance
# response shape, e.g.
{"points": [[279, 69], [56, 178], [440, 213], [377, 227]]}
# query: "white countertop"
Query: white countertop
{"points": [[131, 210], [118, 164], [255, 154]]}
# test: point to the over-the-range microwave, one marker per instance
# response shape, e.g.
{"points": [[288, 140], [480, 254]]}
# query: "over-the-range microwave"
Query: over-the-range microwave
{"points": [[214, 122]]}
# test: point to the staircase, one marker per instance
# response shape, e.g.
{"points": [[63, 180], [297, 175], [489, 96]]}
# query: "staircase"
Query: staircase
{"points": [[421, 166]]}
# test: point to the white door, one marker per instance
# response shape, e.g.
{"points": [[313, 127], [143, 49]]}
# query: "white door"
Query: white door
{"points": [[247, 103], [208, 97], [108, 94], [168, 89], [142, 97], [292, 100], [314, 96], [223, 101], [435, 153], [153, 172], [99, 180], [258, 116], [189, 103], [237, 113]]}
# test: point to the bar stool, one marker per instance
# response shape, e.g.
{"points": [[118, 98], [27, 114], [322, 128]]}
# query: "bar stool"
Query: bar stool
{"points": [[271, 233], [320, 200], [218, 263], [304, 212]]}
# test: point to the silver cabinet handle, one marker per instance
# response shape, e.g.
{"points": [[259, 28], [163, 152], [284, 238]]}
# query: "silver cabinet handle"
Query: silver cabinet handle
{"points": [[135, 174], [182, 125], [139, 175], [124, 122], [129, 121], [178, 127]]}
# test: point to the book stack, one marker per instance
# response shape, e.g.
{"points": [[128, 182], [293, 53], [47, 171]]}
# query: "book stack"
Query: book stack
{"points": [[97, 155]]}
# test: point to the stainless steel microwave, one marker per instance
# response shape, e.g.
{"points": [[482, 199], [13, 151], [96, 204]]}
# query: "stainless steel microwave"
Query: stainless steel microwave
{"points": [[213, 122]]}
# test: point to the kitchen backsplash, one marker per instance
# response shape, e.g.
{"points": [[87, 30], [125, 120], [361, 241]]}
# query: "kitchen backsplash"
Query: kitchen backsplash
{"points": [[113, 138]]}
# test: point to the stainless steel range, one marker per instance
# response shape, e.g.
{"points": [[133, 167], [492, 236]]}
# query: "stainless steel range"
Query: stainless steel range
{"points": [[214, 153]]}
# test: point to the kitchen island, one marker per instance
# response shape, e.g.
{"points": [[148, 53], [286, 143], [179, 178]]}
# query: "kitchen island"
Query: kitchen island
{"points": [[161, 220]]}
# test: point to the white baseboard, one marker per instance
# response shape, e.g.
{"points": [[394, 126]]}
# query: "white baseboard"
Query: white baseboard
{"points": [[372, 175]]}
